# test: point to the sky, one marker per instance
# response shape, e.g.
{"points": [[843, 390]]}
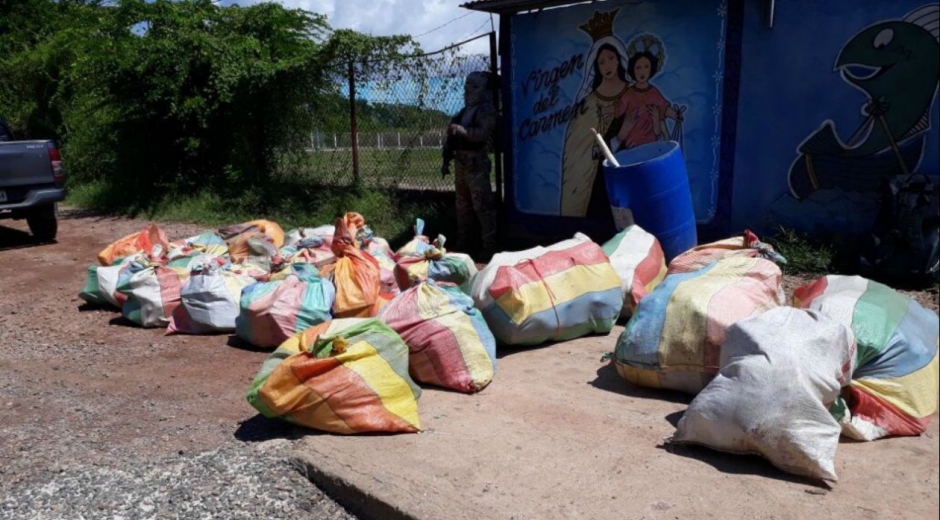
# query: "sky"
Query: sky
{"points": [[423, 19]]}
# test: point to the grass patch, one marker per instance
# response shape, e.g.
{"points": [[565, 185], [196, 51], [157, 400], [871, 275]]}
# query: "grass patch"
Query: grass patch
{"points": [[804, 256], [390, 213]]}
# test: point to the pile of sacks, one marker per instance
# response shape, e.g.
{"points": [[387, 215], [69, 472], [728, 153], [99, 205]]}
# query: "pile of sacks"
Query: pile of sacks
{"points": [[850, 357], [353, 325]]}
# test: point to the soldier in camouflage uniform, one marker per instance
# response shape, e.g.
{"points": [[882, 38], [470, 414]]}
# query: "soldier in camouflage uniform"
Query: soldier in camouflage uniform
{"points": [[469, 136]]}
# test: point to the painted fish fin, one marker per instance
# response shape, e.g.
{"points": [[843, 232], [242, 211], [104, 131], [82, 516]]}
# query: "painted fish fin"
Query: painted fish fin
{"points": [[927, 17], [823, 142], [921, 126]]}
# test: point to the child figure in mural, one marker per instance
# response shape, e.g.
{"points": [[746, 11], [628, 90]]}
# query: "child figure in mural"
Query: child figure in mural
{"points": [[643, 110], [625, 114], [605, 81]]}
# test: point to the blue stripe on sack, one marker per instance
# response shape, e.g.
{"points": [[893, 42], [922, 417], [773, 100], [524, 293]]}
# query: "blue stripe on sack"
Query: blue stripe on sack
{"points": [[458, 300], [315, 305], [638, 345], [600, 308], [912, 346]]}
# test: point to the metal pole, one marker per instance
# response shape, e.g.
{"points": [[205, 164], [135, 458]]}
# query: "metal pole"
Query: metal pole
{"points": [[354, 124], [497, 155]]}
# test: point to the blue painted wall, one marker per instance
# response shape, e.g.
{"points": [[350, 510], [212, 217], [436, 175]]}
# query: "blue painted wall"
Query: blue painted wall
{"points": [[690, 33], [789, 88]]}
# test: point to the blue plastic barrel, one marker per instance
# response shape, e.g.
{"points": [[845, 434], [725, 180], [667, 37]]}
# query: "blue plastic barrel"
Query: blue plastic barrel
{"points": [[653, 184]]}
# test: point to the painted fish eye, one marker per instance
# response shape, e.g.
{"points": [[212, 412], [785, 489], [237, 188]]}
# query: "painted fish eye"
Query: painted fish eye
{"points": [[883, 38]]}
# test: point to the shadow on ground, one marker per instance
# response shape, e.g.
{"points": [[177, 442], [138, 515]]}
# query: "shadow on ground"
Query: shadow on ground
{"points": [[608, 379], [11, 239], [740, 464], [260, 429]]}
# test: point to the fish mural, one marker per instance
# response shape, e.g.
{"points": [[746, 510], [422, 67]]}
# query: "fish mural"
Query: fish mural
{"points": [[896, 63]]}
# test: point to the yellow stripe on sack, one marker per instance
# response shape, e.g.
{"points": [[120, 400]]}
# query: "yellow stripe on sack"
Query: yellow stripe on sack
{"points": [[283, 391], [658, 280], [914, 394], [565, 286], [683, 337], [431, 302], [391, 389], [638, 376]]}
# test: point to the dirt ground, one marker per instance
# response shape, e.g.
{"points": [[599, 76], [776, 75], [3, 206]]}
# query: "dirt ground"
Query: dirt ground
{"points": [[84, 386]]}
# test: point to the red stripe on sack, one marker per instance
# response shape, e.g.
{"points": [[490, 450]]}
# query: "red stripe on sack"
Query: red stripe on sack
{"points": [[437, 356], [805, 294], [647, 271], [170, 286], [348, 395], [511, 277], [879, 412]]}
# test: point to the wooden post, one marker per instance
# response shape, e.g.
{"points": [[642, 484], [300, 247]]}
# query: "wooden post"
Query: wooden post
{"points": [[354, 124]]}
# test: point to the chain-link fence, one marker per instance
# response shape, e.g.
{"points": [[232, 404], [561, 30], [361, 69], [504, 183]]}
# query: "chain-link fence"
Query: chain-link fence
{"points": [[392, 133]]}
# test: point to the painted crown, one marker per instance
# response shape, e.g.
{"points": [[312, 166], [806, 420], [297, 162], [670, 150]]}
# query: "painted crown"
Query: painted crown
{"points": [[600, 25]]}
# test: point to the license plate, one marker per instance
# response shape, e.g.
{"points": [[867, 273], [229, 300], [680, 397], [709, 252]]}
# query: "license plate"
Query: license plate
{"points": [[3, 196]]}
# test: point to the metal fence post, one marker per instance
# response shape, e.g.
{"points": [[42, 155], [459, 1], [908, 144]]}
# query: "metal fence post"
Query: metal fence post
{"points": [[354, 124], [497, 152]]}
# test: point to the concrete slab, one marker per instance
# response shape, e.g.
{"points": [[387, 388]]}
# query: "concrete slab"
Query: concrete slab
{"points": [[558, 435]]}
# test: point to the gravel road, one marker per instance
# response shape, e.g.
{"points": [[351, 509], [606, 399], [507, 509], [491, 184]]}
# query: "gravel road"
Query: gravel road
{"points": [[101, 419]]}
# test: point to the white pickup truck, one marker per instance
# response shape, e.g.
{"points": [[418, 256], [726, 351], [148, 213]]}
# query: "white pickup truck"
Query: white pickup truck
{"points": [[32, 181]]}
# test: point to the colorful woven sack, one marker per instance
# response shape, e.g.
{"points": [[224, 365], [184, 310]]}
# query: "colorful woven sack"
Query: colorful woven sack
{"points": [[237, 237], [271, 312], [313, 250], [343, 376], [390, 287], [557, 293], [639, 261], [209, 243], [674, 338], [746, 246], [102, 282], [449, 342], [151, 241], [208, 301], [894, 387], [153, 294], [356, 275], [421, 261], [297, 235]]}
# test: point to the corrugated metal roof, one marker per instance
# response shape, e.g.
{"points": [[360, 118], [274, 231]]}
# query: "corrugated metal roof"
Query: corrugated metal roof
{"points": [[515, 6]]}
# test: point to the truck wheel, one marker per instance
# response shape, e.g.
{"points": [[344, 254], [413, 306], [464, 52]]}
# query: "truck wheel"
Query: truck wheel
{"points": [[42, 222]]}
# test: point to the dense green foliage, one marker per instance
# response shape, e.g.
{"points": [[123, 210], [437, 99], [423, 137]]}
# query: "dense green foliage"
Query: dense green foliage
{"points": [[171, 97]]}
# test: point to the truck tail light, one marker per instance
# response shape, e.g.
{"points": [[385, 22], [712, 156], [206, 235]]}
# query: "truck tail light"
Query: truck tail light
{"points": [[56, 160]]}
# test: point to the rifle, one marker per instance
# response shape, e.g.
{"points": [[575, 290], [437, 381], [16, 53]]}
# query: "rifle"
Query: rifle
{"points": [[450, 145]]}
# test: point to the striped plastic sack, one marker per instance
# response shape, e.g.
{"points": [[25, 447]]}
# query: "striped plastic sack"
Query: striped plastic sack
{"points": [[257, 272], [300, 269], [297, 235], [894, 387], [433, 262], [102, 282], [197, 259], [343, 376], [209, 243], [312, 250], [417, 245], [639, 261], [153, 294], [390, 287], [557, 293], [674, 338], [747, 245], [151, 241], [356, 275], [237, 237], [208, 301], [271, 312], [780, 372], [451, 346]]}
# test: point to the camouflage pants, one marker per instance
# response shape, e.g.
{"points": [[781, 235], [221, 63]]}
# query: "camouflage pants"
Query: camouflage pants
{"points": [[475, 205]]}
